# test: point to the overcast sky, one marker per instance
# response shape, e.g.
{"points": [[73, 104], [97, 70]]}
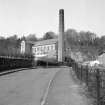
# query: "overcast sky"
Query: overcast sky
{"points": [[23, 17]]}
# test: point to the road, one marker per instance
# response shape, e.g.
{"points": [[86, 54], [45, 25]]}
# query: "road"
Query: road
{"points": [[50, 86], [25, 87]]}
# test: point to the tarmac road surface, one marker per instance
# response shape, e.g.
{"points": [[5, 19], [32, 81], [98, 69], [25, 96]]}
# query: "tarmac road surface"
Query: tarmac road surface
{"points": [[25, 87], [50, 86]]}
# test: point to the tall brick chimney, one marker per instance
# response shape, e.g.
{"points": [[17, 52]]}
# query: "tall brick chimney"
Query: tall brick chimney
{"points": [[61, 38]]}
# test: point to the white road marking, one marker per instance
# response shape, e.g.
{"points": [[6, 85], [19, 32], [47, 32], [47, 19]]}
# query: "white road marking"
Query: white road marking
{"points": [[47, 90]]}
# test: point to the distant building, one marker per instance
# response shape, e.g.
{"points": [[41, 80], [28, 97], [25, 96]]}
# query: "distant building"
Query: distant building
{"points": [[22, 47], [41, 50], [26, 47], [101, 58], [45, 48], [53, 49]]}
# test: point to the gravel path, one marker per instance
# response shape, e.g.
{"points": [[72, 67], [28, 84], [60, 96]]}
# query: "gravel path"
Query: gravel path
{"points": [[65, 91]]}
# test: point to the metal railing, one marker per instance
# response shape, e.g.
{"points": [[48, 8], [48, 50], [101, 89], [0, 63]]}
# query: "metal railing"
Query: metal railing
{"points": [[94, 78]]}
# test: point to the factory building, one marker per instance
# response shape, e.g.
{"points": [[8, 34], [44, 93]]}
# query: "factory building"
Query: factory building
{"points": [[51, 49]]}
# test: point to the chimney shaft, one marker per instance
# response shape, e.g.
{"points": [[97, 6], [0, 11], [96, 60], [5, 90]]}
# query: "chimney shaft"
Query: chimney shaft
{"points": [[61, 36]]}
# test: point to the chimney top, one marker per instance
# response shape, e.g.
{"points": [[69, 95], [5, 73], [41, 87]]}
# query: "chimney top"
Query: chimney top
{"points": [[61, 11]]}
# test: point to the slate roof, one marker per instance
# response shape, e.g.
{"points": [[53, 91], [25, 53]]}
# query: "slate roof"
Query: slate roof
{"points": [[43, 42]]}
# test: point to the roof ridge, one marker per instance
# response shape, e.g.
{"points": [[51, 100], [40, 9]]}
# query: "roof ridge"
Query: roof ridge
{"points": [[49, 41]]}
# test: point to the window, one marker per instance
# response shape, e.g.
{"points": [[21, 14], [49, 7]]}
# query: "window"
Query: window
{"points": [[48, 47], [51, 47], [41, 48], [37, 48], [45, 48]]}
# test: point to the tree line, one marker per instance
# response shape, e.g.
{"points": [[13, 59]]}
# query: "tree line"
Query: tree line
{"points": [[86, 42]]}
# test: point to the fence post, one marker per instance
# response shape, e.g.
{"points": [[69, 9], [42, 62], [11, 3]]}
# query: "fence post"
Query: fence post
{"points": [[86, 70], [74, 66], [98, 86], [81, 71], [76, 69]]}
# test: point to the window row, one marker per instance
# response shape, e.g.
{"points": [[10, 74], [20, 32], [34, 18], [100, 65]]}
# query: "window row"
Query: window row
{"points": [[46, 53], [44, 48], [40, 53]]}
